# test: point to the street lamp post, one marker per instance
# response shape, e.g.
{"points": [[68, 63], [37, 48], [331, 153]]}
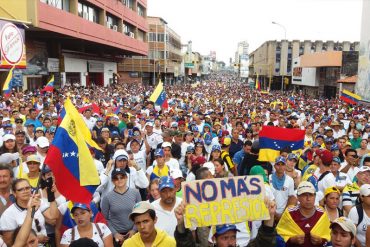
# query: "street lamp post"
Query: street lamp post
{"points": [[283, 27]]}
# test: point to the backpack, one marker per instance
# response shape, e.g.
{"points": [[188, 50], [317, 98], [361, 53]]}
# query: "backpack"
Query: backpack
{"points": [[360, 212], [97, 228]]}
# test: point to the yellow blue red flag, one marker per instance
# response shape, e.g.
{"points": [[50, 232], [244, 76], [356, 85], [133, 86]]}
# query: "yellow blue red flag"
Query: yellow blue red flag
{"points": [[159, 96], [69, 158], [49, 86], [273, 139], [7, 87]]}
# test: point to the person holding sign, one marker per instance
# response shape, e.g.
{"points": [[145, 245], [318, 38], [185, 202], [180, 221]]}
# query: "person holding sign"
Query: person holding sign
{"points": [[226, 234]]}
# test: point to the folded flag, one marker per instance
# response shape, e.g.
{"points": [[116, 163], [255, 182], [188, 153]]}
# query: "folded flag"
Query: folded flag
{"points": [[69, 158], [49, 86], [350, 98], [7, 87], [273, 139], [159, 96]]}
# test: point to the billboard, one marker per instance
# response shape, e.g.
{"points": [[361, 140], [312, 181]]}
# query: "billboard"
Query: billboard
{"points": [[363, 86], [12, 46], [303, 76], [244, 63]]}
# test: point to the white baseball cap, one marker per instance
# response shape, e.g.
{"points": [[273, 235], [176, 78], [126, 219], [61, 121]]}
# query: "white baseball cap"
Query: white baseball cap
{"points": [[305, 187], [42, 142], [176, 173], [346, 224], [210, 166], [365, 190], [166, 145], [8, 137]]}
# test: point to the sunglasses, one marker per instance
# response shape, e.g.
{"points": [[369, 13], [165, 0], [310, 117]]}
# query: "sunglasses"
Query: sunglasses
{"points": [[119, 178], [18, 122], [27, 188]]}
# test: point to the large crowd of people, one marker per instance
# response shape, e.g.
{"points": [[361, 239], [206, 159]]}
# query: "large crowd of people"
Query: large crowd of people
{"points": [[317, 196]]}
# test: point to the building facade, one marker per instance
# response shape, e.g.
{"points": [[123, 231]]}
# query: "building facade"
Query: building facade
{"points": [[273, 60], [163, 60], [79, 42]]}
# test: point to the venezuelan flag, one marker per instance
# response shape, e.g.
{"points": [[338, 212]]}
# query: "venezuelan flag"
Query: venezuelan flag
{"points": [[70, 160], [7, 87], [350, 98], [273, 139], [159, 95], [258, 84], [49, 86]]}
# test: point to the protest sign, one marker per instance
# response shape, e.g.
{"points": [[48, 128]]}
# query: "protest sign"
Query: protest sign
{"points": [[224, 201]]}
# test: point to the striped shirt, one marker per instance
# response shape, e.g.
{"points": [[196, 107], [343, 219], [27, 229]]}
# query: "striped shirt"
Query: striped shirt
{"points": [[116, 208], [350, 194]]}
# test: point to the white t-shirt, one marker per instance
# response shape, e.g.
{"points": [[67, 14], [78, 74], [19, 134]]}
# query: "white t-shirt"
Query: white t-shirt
{"points": [[67, 235], [140, 159], [166, 219], [14, 216], [362, 227], [172, 164], [282, 196], [327, 181]]}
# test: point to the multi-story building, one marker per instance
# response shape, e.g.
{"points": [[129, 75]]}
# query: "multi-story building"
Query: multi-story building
{"points": [[78, 41], [163, 60], [242, 59], [273, 60]]}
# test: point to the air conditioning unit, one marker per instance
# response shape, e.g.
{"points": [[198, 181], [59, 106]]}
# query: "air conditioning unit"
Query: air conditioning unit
{"points": [[115, 28], [109, 25], [85, 15], [132, 35]]}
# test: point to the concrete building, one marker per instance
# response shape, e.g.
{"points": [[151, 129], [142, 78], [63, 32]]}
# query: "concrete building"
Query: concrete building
{"points": [[78, 41], [273, 60], [163, 60], [242, 59]]}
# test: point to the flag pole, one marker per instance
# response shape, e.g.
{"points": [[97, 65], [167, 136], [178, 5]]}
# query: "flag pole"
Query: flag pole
{"points": [[38, 188]]}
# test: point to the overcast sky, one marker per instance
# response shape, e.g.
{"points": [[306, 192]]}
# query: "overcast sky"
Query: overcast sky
{"points": [[220, 24]]}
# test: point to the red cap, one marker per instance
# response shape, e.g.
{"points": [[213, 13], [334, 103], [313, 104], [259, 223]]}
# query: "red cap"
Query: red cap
{"points": [[325, 155], [200, 160]]}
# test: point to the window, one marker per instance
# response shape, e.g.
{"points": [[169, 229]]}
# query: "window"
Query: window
{"points": [[141, 10], [88, 12], [128, 30], [112, 22], [60, 4]]}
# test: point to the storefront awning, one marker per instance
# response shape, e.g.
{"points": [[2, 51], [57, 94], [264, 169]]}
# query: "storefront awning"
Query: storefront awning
{"points": [[322, 59], [349, 79]]}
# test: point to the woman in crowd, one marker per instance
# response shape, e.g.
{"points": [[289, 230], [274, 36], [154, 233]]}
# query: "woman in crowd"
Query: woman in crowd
{"points": [[154, 190], [331, 203], [220, 171], [15, 215], [117, 205], [98, 232]]}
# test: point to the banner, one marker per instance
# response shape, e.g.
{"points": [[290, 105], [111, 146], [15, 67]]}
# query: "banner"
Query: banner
{"points": [[224, 201], [12, 46]]}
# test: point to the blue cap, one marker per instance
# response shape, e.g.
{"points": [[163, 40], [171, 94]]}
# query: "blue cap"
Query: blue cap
{"points": [[334, 147], [166, 182], [195, 128], [159, 152], [316, 145], [80, 205], [7, 126], [46, 169], [221, 229], [367, 125], [280, 159], [216, 147], [100, 120], [337, 160], [329, 140], [318, 136], [292, 156], [190, 149]]}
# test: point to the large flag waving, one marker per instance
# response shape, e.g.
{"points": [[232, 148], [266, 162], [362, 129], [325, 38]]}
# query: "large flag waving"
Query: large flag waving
{"points": [[258, 84], [7, 87], [159, 95], [70, 160], [49, 86], [273, 139]]}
